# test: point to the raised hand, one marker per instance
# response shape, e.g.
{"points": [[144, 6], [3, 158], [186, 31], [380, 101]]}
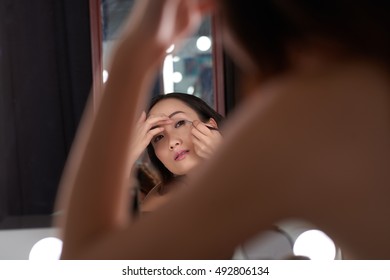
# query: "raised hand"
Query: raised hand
{"points": [[206, 139], [145, 129], [161, 23]]}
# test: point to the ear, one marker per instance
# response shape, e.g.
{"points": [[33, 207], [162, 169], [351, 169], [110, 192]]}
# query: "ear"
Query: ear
{"points": [[213, 123]]}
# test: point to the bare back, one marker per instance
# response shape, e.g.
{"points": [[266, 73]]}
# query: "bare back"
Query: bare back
{"points": [[313, 146]]}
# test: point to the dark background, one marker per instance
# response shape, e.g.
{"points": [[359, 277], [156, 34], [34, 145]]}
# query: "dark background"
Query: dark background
{"points": [[45, 78]]}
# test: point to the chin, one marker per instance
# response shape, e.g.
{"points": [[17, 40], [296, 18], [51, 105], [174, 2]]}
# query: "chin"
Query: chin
{"points": [[186, 170], [182, 172], [186, 166]]}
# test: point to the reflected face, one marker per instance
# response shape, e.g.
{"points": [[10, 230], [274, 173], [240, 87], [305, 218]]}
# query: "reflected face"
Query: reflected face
{"points": [[174, 146]]}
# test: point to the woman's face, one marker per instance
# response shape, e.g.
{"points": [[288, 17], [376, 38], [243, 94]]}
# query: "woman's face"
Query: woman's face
{"points": [[174, 146]]}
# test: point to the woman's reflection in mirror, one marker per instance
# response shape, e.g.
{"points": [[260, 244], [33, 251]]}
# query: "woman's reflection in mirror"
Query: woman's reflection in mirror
{"points": [[181, 131]]}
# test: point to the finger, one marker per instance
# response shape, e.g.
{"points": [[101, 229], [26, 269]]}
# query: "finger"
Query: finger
{"points": [[153, 121], [185, 16], [209, 137], [142, 118], [157, 117], [203, 128], [188, 16], [153, 132], [202, 144], [199, 144], [211, 141], [144, 124], [206, 6], [200, 136], [201, 149]]}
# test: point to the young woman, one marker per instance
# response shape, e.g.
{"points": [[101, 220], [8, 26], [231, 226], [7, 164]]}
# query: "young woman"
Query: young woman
{"points": [[311, 140], [180, 131]]}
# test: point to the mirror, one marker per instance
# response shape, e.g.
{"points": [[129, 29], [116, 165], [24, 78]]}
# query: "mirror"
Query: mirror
{"points": [[188, 70], [40, 112]]}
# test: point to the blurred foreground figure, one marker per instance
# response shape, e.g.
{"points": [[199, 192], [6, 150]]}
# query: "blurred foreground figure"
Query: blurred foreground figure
{"points": [[310, 140]]}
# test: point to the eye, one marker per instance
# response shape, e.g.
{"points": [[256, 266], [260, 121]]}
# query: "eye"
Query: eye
{"points": [[157, 138], [180, 123]]}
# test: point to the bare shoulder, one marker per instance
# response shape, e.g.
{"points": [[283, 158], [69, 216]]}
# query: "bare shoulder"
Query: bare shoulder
{"points": [[318, 150], [321, 150], [153, 200]]}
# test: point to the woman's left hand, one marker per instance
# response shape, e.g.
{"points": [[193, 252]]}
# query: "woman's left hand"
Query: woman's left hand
{"points": [[205, 140], [156, 25]]}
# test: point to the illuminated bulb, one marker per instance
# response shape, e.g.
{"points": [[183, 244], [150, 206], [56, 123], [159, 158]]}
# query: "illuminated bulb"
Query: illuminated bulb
{"points": [[190, 90], [315, 245], [105, 76], [46, 249], [177, 77], [170, 49], [167, 74], [203, 43]]}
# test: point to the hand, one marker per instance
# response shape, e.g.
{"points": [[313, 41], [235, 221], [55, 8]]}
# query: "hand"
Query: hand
{"points": [[161, 23], [144, 132], [205, 140]]}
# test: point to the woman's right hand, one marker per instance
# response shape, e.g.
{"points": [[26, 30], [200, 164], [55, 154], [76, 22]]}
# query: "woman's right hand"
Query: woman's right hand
{"points": [[144, 131]]}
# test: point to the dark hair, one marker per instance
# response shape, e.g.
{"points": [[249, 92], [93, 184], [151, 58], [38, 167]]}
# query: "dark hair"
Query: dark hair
{"points": [[204, 112], [267, 31], [147, 177]]}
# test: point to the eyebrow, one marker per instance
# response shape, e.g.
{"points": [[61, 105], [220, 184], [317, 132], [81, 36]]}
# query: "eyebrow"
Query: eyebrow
{"points": [[170, 116], [175, 113]]}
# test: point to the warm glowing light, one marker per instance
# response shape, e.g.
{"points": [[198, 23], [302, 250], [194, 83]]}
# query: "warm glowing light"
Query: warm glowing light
{"points": [[203, 43], [190, 90], [177, 77], [315, 245], [170, 49], [46, 249], [105, 76], [168, 74]]}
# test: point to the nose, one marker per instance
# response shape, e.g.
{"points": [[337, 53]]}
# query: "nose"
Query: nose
{"points": [[174, 136], [173, 143]]}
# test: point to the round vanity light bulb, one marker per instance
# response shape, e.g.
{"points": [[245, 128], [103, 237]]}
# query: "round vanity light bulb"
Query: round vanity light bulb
{"points": [[315, 245], [48, 248], [203, 43], [177, 77]]}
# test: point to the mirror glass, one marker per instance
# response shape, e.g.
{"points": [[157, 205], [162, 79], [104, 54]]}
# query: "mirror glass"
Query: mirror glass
{"points": [[188, 70]]}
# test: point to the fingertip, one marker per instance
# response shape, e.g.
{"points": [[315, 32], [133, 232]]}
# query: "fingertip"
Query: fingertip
{"points": [[142, 117], [195, 123], [206, 6]]}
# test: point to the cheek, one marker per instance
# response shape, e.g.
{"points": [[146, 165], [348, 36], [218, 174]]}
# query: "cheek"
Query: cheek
{"points": [[161, 153], [188, 140]]}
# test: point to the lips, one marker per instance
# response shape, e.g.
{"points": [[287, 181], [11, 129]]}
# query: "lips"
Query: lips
{"points": [[179, 155]]}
